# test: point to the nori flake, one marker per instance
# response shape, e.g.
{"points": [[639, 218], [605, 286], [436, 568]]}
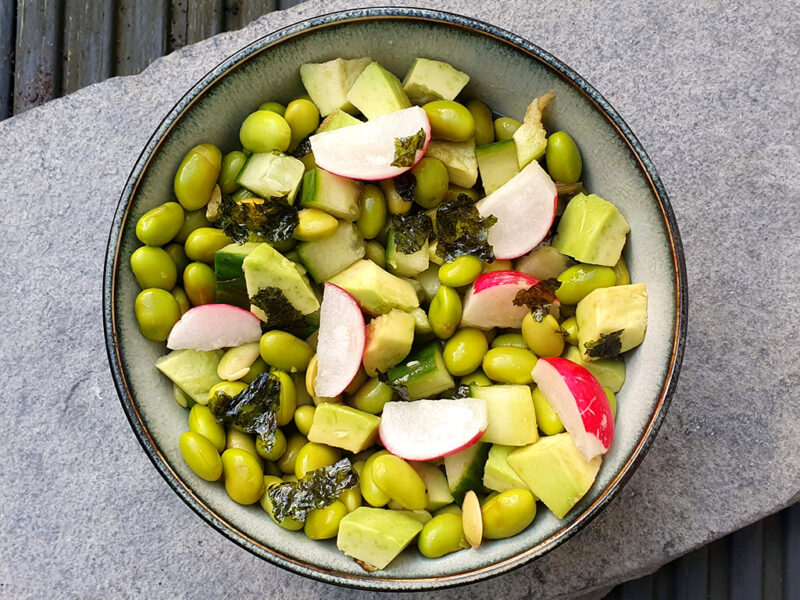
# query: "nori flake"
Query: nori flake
{"points": [[606, 346], [318, 489], [462, 231], [405, 149], [253, 409]]}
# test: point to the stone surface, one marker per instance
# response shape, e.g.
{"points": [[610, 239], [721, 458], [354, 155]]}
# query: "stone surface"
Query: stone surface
{"points": [[712, 92]]}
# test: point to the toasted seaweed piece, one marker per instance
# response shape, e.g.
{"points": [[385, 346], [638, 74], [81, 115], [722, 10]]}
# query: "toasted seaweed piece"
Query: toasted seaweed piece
{"points": [[317, 489], [461, 230]]}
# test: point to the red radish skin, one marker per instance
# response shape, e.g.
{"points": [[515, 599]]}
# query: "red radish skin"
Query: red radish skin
{"points": [[366, 151], [340, 345], [428, 429], [525, 207], [581, 404], [490, 301], [214, 326]]}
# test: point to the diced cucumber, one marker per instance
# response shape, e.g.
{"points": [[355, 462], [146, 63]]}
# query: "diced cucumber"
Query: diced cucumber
{"points": [[458, 158], [231, 286], [272, 175], [335, 195], [465, 469], [405, 265], [328, 83], [438, 490], [326, 258], [336, 120], [497, 164], [424, 373], [498, 474]]}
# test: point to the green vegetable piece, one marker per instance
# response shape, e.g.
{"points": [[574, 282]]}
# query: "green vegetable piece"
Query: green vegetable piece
{"points": [[459, 158], [328, 83], [563, 157], [336, 120], [388, 340], [325, 258], [436, 483], [498, 474], [231, 286], [375, 290], [343, 427], [460, 230], [464, 469], [423, 375], [497, 164], [193, 371], [331, 193], [406, 148], [610, 372], [510, 414], [374, 536], [428, 80], [377, 92], [268, 219], [530, 138], [270, 175], [591, 231], [612, 320]]}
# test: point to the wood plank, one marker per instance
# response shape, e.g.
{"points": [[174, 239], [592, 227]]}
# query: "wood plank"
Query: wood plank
{"points": [[239, 13], [195, 20], [772, 572], [746, 559], [140, 32], [38, 65], [88, 46], [690, 576], [718, 570], [7, 44], [791, 552]]}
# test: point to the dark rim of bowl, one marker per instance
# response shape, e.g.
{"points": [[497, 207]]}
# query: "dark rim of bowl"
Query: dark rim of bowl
{"points": [[366, 581]]}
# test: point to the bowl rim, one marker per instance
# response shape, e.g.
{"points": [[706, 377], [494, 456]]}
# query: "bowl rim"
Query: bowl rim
{"points": [[112, 264]]}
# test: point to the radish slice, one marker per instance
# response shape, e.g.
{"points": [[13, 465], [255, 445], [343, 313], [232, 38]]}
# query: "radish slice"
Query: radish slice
{"points": [[580, 401], [429, 429], [367, 151], [214, 326], [490, 301], [341, 341], [525, 207]]}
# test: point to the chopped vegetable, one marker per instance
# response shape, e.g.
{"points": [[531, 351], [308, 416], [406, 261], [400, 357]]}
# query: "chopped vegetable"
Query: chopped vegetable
{"points": [[411, 231], [404, 186], [282, 314], [538, 298], [303, 148], [317, 489], [405, 149], [461, 230], [606, 346], [269, 218], [253, 409]]}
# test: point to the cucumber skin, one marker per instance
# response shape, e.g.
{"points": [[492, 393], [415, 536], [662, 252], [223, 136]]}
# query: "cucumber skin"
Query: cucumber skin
{"points": [[473, 476], [231, 287], [428, 367]]}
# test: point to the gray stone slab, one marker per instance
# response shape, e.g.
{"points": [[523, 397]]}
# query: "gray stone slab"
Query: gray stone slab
{"points": [[712, 91]]}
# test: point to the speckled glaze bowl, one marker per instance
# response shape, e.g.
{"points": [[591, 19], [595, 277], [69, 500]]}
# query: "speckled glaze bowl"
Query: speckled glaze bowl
{"points": [[506, 72]]}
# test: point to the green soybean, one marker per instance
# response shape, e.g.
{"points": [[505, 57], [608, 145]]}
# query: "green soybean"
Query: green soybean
{"points": [[203, 243], [509, 365], [303, 119], [314, 225], [441, 535], [431, 182], [244, 478], [463, 352], [504, 128], [546, 418], [313, 456], [400, 482], [265, 131], [278, 447], [621, 270], [351, 498], [450, 509], [484, 128], [203, 422], [181, 398], [287, 398], [200, 283], [229, 388], [197, 175], [285, 352], [181, 298], [507, 514], [450, 120], [156, 312], [477, 377], [201, 456], [256, 369], [454, 191], [374, 495], [497, 265], [192, 219], [271, 481], [544, 337], [275, 107], [509, 339], [242, 441], [579, 281], [372, 396], [461, 271], [178, 256], [563, 158], [232, 164], [395, 203], [153, 268], [159, 225], [304, 418], [570, 327], [376, 253], [287, 461], [323, 523], [372, 217], [444, 312]]}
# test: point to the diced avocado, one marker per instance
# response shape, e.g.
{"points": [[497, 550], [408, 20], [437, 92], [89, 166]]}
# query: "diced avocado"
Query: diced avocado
{"points": [[498, 474], [458, 158], [429, 280], [428, 80], [336, 120], [340, 426], [389, 340], [377, 92], [610, 372], [405, 265], [465, 469], [435, 481], [555, 471], [272, 175], [264, 268], [194, 371], [328, 83], [375, 536], [497, 164], [422, 324], [545, 262], [421, 515], [424, 373], [335, 195], [327, 257], [512, 420], [591, 231], [375, 290], [530, 137], [231, 287], [619, 311]]}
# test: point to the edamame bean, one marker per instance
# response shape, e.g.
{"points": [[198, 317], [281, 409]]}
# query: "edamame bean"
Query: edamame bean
{"points": [[178, 256], [309, 162], [484, 128], [232, 163], [371, 396], [357, 382], [277, 450], [351, 498], [374, 495], [372, 217], [284, 351], [563, 158], [153, 268], [441, 535], [271, 481], [612, 401], [450, 509], [504, 128], [303, 418], [400, 482], [432, 182], [546, 418], [275, 107], [181, 298], [579, 280], [461, 271], [287, 461], [477, 377], [201, 456], [182, 398], [236, 362], [244, 478], [509, 339], [621, 271], [544, 337], [256, 369], [192, 219], [287, 400], [229, 388], [203, 243], [444, 312], [311, 375], [203, 422], [497, 265], [570, 327], [159, 225], [454, 191], [196, 176], [242, 441], [509, 365], [323, 523], [450, 120], [200, 283], [395, 203], [376, 253], [463, 353], [265, 131], [303, 119], [313, 456], [314, 225], [156, 312], [507, 514]]}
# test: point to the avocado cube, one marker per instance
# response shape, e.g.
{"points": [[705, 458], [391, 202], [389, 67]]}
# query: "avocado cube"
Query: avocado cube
{"points": [[340, 426], [336, 120], [375, 290], [605, 311], [377, 92], [428, 80], [459, 160], [555, 471], [328, 83], [497, 164], [531, 138], [194, 371], [389, 340], [327, 257], [510, 413], [375, 536], [498, 474], [610, 372], [591, 231]]}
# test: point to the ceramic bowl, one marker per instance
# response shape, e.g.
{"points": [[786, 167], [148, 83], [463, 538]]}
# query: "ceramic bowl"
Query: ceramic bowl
{"points": [[506, 72]]}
